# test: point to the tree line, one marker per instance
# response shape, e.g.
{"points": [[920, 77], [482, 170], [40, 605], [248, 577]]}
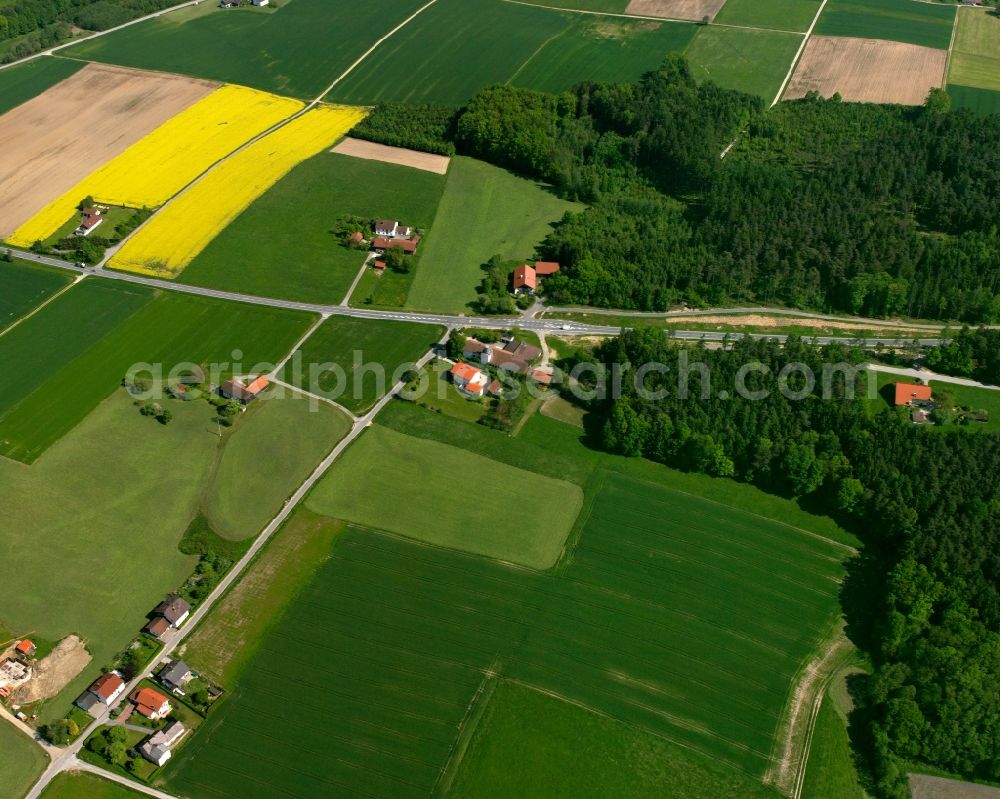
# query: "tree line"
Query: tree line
{"points": [[924, 597], [819, 204]]}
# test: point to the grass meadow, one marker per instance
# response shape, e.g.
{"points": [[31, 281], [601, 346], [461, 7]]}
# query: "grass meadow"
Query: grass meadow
{"points": [[282, 427], [73, 353], [450, 497], [297, 50], [975, 59], [341, 342], [679, 613], [782, 15], [926, 24], [562, 749], [22, 763], [24, 286], [77, 785], [21, 83], [753, 61], [281, 246], [981, 101], [831, 771], [485, 211]]}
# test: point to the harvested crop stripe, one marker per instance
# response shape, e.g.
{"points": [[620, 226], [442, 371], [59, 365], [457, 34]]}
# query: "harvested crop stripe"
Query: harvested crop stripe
{"points": [[162, 163], [183, 228]]}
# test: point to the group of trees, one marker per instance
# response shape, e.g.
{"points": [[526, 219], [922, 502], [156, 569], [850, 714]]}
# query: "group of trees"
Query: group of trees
{"points": [[820, 204], [972, 353], [420, 127], [924, 501]]}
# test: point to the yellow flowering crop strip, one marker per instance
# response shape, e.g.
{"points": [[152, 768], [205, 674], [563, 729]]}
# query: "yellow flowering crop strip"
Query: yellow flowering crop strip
{"points": [[162, 163], [182, 229]]}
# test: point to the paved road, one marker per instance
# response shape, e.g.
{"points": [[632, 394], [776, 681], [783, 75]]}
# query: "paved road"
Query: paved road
{"points": [[65, 759], [79, 765], [555, 326], [927, 375]]}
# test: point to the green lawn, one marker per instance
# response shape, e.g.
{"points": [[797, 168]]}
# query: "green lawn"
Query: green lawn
{"points": [[24, 286], [333, 361], [927, 24], [458, 47], [562, 750], [964, 396], [782, 15], [226, 642], [442, 395], [449, 497], [485, 211], [297, 51], [279, 441], [751, 61], [831, 773], [981, 101], [22, 763], [975, 59], [21, 83], [72, 354], [86, 786], [281, 246]]}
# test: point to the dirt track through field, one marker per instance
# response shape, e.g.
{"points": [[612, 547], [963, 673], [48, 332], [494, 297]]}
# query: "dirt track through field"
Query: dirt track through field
{"points": [[358, 148], [868, 70], [55, 140], [695, 10]]}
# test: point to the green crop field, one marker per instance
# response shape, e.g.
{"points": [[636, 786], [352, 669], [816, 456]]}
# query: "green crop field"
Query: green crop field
{"points": [[297, 50], [21, 83], [975, 59], [24, 286], [86, 786], [422, 480], [782, 15], [680, 616], [92, 335], [22, 763], [927, 24], [485, 211], [334, 357], [981, 101], [749, 60], [281, 439], [457, 47], [281, 246], [563, 750], [609, 6]]}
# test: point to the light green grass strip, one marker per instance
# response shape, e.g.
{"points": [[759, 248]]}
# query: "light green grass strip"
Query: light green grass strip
{"points": [[447, 496], [975, 60]]}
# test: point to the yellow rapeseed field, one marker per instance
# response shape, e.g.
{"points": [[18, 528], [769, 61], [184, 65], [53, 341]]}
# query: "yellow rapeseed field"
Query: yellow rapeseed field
{"points": [[182, 229], [159, 165]]}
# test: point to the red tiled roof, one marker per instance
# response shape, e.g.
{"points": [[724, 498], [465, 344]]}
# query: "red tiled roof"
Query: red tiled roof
{"points": [[258, 385], [148, 701], [26, 647], [473, 345], [543, 268], [407, 245], [524, 277], [539, 376], [379, 264], [106, 685], [464, 371], [908, 392], [157, 626]]}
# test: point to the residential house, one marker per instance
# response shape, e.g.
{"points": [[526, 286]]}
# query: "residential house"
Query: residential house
{"points": [[469, 380], [157, 749], [89, 222], [391, 228], [378, 266], [261, 3], [543, 377], [473, 349], [244, 393], [26, 648], [157, 627], [511, 356], [174, 609], [382, 243], [495, 388], [108, 687], [175, 675], [87, 702], [151, 704], [912, 394], [524, 280]]}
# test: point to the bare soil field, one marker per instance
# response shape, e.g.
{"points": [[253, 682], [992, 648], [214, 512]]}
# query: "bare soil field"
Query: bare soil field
{"points": [[370, 151], [868, 70], [54, 672], [56, 139], [695, 10], [924, 787], [756, 320]]}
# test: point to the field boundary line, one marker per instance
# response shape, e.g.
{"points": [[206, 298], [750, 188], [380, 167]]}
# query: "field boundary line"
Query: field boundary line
{"points": [[798, 54], [644, 17], [535, 54], [278, 382], [371, 50], [951, 48], [847, 547], [37, 308], [298, 344], [467, 728]]}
